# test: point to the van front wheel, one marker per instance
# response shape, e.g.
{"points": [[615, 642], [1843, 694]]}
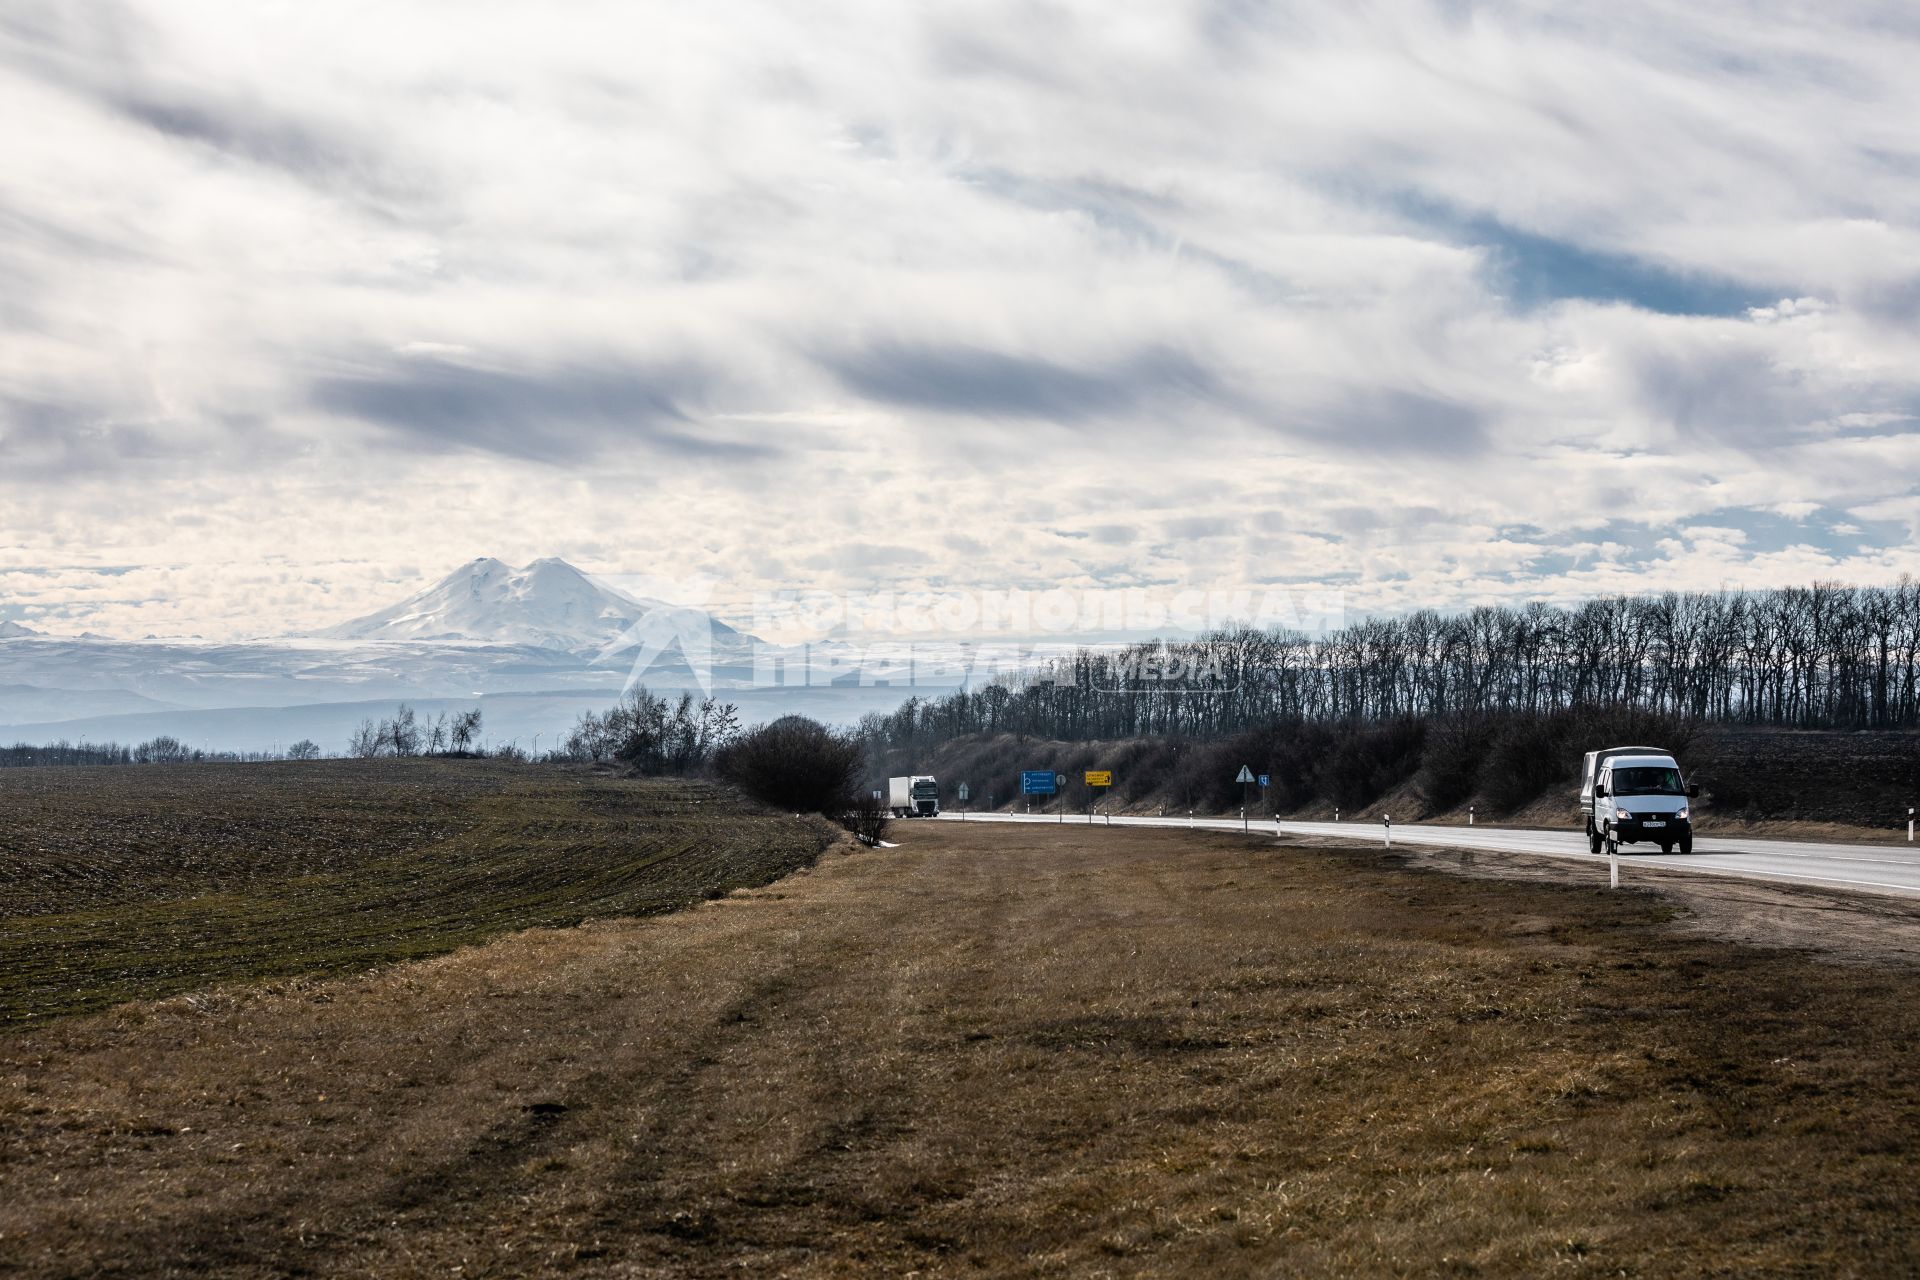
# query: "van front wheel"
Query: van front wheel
{"points": [[1686, 843], [1594, 842]]}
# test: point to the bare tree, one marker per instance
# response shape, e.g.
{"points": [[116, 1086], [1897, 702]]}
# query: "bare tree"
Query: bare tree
{"points": [[366, 742], [466, 730], [400, 736], [162, 750]]}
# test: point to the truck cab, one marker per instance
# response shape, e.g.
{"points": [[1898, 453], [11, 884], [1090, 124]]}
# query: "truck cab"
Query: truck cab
{"points": [[914, 796], [1631, 795]]}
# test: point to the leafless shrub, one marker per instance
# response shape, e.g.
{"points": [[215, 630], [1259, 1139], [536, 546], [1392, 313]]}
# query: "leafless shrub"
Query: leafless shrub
{"points": [[795, 764], [866, 817]]}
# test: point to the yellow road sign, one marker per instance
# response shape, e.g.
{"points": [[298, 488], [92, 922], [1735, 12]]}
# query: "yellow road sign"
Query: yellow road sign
{"points": [[1099, 777]]}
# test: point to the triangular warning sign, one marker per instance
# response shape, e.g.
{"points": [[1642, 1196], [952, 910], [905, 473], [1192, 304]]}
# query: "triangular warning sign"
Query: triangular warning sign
{"points": [[1246, 774]]}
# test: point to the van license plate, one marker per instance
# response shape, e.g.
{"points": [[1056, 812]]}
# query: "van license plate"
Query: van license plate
{"points": [[1658, 823]]}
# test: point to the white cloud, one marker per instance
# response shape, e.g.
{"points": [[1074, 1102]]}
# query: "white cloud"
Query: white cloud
{"points": [[297, 302]]}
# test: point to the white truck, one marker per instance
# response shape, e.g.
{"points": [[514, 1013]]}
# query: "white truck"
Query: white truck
{"points": [[1630, 794], [915, 796]]}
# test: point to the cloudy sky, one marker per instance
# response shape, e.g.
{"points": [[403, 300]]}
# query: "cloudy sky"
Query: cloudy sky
{"points": [[302, 305]]}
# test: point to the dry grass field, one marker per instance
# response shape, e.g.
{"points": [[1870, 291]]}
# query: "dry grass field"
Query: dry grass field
{"points": [[1027, 1050], [125, 883]]}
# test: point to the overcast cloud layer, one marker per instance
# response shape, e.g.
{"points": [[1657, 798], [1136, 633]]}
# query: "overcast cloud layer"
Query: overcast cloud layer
{"points": [[1443, 304]]}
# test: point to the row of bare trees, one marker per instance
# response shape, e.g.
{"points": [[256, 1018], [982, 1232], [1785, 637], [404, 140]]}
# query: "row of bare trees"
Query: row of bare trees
{"points": [[1825, 656], [164, 749], [654, 735], [408, 734]]}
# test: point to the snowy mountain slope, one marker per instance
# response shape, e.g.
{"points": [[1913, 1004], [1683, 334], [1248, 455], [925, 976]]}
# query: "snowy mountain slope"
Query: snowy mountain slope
{"points": [[14, 631], [549, 604], [546, 640]]}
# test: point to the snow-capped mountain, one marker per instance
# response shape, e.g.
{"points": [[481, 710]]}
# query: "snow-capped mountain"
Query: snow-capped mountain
{"points": [[549, 604], [539, 645]]}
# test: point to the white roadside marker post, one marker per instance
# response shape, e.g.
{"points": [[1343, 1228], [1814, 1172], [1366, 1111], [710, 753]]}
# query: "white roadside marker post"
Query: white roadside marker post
{"points": [[1336, 814], [1909, 825], [1243, 819], [1386, 820], [1469, 815], [1613, 864], [1189, 817]]}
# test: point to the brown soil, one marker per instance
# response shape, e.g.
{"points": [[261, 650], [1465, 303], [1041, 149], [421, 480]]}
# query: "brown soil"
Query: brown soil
{"points": [[122, 884], [1834, 925], [1008, 1050]]}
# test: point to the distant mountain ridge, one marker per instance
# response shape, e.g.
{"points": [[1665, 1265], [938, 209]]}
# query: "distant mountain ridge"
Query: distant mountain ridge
{"points": [[548, 604], [537, 645], [15, 631]]}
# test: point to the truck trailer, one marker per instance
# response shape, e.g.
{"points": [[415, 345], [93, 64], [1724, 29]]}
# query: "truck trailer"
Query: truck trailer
{"points": [[915, 796]]}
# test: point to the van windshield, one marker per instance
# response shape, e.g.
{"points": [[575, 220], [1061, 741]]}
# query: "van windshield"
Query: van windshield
{"points": [[1647, 781]]}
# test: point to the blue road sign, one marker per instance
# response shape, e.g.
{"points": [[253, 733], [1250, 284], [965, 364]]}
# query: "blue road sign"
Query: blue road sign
{"points": [[1037, 782], [1263, 779]]}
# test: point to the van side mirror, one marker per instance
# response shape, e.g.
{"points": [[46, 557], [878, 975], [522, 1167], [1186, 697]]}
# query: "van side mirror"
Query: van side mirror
{"points": [[1693, 790], [1599, 791]]}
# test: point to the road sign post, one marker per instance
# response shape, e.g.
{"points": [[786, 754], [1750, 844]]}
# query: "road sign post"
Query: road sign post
{"points": [[963, 802], [1097, 780], [1245, 779], [1036, 782]]}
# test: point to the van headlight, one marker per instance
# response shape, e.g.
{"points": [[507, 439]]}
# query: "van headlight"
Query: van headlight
{"points": [[1623, 813], [1682, 813]]}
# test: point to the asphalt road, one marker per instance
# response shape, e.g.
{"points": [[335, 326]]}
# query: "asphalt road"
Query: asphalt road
{"points": [[1893, 867]]}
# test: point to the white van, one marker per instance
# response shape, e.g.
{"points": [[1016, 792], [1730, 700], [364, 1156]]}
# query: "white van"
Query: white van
{"points": [[1631, 794]]}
